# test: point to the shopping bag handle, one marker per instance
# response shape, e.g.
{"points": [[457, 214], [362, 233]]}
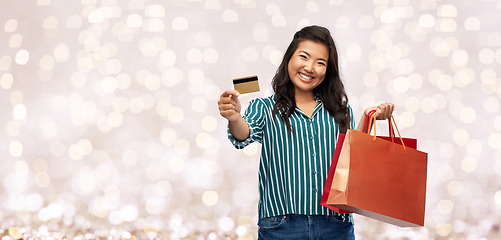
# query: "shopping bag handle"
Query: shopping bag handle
{"points": [[373, 118], [391, 131], [367, 119]]}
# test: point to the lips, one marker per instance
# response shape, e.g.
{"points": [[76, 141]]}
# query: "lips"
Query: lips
{"points": [[305, 78]]}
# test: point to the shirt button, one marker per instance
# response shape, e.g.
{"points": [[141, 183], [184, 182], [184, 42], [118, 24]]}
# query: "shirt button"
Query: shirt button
{"points": [[313, 154], [314, 173], [311, 137], [314, 190]]}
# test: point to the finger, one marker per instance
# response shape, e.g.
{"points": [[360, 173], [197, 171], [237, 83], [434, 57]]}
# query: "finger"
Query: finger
{"points": [[224, 107], [232, 92], [228, 113], [229, 93], [386, 110], [227, 100]]}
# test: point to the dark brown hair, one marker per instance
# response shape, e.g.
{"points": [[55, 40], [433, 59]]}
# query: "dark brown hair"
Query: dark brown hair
{"points": [[331, 91]]}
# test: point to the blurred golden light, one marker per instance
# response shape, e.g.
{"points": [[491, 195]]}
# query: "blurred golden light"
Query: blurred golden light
{"points": [[194, 55], [130, 158], [460, 57], [163, 188], [252, 149], [19, 112], [168, 136], [136, 105], [426, 21], [50, 22], [154, 206], [204, 140], [447, 10], [497, 198], [40, 165], [15, 40], [428, 105], [76, 152], [74, 21], [10, 25], [175, 115], [445, 82], [180, 24], [21, 168], [230, 16], [176, 164], [495, 140], [445, 206], [182, 146], [6, 81], [469, 164], [42, 179], [467, 115], [199, 104], [153, 173], [210, 55], [455, 188], [16, 148], [460, 136], [278, 20], [209, 123], [22, 57], [408, 119], [443, 229], [446, 173], [210, 198], [134, 21], [464, 77], [445, 25], [57, 148], [15, 232]]}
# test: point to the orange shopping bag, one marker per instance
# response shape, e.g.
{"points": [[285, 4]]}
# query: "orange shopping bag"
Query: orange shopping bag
{"points": [[409, 142], [380, 179]]}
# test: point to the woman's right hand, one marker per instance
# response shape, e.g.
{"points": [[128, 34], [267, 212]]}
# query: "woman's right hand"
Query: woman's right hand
{"points": [[229, 105]]}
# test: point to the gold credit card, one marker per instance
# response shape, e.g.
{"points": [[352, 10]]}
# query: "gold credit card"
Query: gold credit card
{"points": [[246, 84]]}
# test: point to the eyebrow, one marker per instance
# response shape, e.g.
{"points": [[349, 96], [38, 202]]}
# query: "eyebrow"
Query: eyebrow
{"points": [[321, 59]]}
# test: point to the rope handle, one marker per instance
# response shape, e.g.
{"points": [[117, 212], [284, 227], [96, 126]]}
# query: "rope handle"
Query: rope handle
{"points": [[391, 131], [373, 118]]}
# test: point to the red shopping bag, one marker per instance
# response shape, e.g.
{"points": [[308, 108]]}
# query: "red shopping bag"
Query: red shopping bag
{"points": [[380, 179], [332, 170]]}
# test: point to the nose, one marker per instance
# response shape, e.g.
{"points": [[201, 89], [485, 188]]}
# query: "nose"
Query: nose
{"points": [[308, 66]]}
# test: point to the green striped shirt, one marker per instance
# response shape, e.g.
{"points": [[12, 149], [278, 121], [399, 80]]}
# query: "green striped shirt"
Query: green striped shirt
{"points": [[293, 167]]}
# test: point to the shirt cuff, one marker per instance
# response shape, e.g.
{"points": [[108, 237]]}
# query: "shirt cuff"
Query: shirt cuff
{"points": [[240, 144]]}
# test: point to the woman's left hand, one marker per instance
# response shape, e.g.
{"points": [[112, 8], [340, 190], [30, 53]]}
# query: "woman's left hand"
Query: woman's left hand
{"points": [[383, 111]]}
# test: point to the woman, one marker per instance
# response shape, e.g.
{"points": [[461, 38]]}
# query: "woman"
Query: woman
{"points": [[298, 127]]}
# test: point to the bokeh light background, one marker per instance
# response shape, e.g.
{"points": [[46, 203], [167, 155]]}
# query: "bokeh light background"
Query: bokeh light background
{"points": [[109, 121]]}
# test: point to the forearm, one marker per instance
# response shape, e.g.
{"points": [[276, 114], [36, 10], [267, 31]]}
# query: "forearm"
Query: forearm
{"points": [[239, 129], [361, 123]]}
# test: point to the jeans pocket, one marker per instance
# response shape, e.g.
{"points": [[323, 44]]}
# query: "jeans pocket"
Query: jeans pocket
{"points": [[340, 218], [270, 223]]}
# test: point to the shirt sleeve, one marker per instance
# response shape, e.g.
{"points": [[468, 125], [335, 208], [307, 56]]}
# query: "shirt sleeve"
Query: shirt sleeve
{"points": [[254, 116]]}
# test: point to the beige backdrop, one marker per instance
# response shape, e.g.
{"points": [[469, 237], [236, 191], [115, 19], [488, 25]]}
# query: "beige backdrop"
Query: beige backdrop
{"points": [[109, 123]]}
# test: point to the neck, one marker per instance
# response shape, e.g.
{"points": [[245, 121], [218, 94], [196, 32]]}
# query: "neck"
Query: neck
{"points": [[304, 97]]}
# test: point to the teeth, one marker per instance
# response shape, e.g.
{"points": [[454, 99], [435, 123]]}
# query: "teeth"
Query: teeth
{"points": [[305, 77]]}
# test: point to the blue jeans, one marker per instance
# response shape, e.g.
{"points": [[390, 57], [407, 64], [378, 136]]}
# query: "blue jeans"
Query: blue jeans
{"points": [[311, 227]]}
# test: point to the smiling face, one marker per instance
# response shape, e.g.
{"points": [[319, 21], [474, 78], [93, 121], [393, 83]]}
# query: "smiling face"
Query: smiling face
{"points": [[307, 66]]}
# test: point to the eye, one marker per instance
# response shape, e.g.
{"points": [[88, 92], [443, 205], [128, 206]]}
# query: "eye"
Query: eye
{"points": [[322, 63], [302, 56]]}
